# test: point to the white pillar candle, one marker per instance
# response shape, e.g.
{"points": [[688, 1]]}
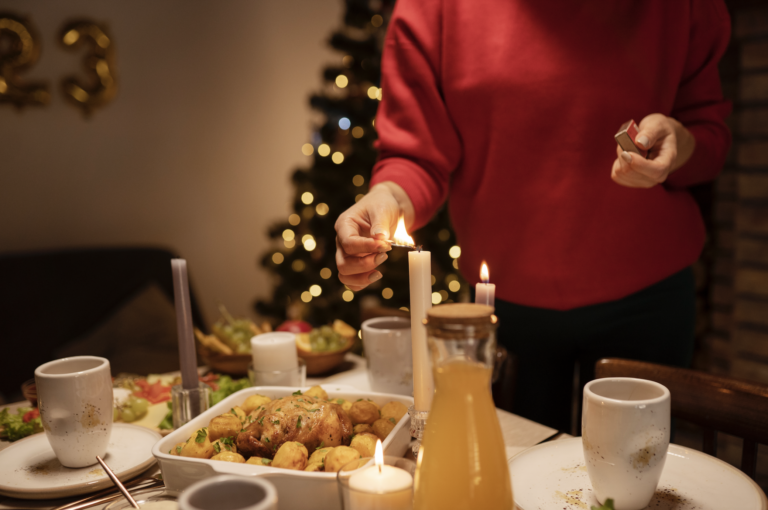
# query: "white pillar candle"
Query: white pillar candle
{"points": [[381, 487], [187, 354], [485, 293], [274, 351]]}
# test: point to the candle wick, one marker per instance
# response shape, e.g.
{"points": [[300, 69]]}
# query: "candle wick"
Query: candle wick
{"points": [[379, 466], [419, 248]]}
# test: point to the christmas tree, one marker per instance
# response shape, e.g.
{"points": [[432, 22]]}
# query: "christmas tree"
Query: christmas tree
{"points": [[343, 155]]}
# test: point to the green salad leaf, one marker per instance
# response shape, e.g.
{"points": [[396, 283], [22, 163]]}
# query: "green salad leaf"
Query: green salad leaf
{"points": [[227, 386], [608, 505], [167, 422], [14, 426]]}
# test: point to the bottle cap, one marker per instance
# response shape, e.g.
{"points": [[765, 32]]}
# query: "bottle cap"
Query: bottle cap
{"points": [[470, 318]]}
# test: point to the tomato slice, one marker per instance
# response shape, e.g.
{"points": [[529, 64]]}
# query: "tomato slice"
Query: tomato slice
{"points": [[31, 415]]}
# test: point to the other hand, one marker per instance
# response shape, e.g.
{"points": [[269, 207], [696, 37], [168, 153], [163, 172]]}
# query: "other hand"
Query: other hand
{"points": [[670, 145]]}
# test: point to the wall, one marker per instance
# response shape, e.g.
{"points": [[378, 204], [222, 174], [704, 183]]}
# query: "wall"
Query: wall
{"points": [[195, 152], [738, 343]]}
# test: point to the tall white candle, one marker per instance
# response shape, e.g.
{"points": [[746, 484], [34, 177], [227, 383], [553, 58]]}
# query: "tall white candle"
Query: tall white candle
{"points": [[485, 293], [274, 351], [420, 269]]}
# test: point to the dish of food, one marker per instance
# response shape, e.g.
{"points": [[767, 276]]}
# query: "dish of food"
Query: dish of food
{"points": [[278, 443], [553, 475], [30, 470]]}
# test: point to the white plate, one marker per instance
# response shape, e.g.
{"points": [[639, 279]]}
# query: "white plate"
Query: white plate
{"points": [[553, 476], [30, 470]]}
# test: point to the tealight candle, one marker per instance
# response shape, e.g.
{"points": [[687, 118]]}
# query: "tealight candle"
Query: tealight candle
{"points": [[485, 293], [274, 351], [381, 487]]}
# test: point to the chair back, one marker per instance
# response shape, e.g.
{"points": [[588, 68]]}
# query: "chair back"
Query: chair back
{"points": [[716, 403]]}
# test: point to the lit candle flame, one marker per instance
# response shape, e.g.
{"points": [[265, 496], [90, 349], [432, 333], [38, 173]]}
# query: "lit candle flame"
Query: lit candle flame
{"points": [[379, 455], [484, 276], [401, 237]]}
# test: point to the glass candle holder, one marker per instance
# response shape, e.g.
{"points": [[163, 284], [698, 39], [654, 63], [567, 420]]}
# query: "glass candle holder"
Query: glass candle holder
{"points": [[188, 404], [362, 486], [291, 377]]}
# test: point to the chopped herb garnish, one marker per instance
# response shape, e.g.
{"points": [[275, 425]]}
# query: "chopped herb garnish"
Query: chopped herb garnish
{"points": [[267, 440], [298, 423], [227, 440], [358, 400], [178, 450], [608, 505], [392, 420], [313, 410], [278, 409], [217, 447], [339, 401], [294, 405], [297, 392], [261, 420], [301, 400], [233, 411], [201, 435], [169, 451], [276, 422], [266, 461], [322, 443]]}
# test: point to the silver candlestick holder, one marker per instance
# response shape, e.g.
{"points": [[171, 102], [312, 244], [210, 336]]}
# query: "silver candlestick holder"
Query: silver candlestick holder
{"points": [[418, 422]]}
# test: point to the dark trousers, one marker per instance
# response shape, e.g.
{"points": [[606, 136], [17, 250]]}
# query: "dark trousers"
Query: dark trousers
{"points": [[655, 324]]}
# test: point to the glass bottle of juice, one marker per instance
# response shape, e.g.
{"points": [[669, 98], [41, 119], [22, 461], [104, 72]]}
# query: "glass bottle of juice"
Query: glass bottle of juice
{"points": [[462, 463]]}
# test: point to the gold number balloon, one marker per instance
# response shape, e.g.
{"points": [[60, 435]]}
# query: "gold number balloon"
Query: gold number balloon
{"points": [[100, 85], [19, 50]]}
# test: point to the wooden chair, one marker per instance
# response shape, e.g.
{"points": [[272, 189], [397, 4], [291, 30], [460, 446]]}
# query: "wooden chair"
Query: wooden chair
{"points": [[716, 403]]}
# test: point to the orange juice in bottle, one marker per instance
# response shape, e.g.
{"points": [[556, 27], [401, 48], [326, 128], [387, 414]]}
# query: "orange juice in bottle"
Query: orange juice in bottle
{"points": [[462, 463]]}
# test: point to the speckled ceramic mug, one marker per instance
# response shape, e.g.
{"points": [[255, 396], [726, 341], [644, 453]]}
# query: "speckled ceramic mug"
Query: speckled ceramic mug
{"points": [[75, 401], [625, 425]]}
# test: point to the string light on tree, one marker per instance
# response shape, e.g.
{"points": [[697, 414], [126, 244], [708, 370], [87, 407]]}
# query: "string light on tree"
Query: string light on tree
{"points": [[325, 273], [454, 252], [358, 180], [387, 293], [307, 149], [322, 209], [288, 234], [342, 81], [323, 149], [315, 290], [337, 158], [278, 258], [308, 198], [294, 219]]}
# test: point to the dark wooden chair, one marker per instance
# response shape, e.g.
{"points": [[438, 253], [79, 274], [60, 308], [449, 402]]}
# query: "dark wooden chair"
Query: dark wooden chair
{"points": [[716, 403]]}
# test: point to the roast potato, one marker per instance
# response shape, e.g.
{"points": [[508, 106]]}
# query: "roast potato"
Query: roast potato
{"points": [[259, 461], [291, 455], [340, 456], [229, 457], [198, 445], [382, 427], [318, 456], [253, 402], [317, 392], [361, 428], [176, 450], [345, 404], [364, 443], [364, 411], [394, 410], [224, 444], [226, 425]]}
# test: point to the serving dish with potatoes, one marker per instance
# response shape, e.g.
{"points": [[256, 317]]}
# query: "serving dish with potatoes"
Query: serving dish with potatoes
{"points": [[296, 438]]}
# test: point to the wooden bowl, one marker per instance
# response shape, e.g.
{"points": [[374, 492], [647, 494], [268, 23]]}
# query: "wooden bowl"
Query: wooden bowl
{"points": [[230, 364], [322, 362]]}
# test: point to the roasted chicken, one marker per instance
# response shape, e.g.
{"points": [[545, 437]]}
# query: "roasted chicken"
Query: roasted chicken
{"points": [[301, 418]]}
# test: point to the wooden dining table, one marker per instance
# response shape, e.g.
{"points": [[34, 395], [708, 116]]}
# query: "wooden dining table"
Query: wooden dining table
{"points": [[519, 433]]}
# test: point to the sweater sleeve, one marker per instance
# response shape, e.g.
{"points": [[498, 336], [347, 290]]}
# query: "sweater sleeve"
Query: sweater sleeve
{"points": [[418, 144], [699, 103]]}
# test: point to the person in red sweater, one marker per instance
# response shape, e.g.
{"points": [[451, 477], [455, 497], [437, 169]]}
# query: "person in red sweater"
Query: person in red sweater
{"points": [[508, 110]]}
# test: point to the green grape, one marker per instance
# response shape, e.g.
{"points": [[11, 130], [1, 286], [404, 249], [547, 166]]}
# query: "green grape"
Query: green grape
{"points": [[139, 406], [115, 414], [128, 415]]}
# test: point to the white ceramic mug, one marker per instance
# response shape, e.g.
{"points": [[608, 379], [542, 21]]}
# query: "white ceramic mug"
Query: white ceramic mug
{"points": [[239, 493], [625, 425], [75, 401], [387, 343]]}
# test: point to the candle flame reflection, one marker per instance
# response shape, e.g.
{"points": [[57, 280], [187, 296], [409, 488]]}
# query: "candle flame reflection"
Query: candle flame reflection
{"points": [[484, 276], [401, 237], [379, 455]]}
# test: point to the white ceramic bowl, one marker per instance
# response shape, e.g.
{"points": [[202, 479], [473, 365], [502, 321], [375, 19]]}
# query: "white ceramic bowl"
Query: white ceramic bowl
{"points": [[296, 489]]}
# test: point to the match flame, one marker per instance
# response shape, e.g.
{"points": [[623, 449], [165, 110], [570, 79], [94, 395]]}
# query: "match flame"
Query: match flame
{"points": [[484, 276], [401, 236], [379, 455]]}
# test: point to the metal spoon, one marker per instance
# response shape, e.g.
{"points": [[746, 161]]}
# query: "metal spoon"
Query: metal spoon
{"points": [[117, 483]]}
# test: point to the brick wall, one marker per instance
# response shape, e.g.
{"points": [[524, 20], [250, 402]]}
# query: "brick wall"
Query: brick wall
{"points": [[733, 271]]}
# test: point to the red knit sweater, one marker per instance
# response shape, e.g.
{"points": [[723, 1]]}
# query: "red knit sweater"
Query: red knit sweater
{"points": [[509, 109]]}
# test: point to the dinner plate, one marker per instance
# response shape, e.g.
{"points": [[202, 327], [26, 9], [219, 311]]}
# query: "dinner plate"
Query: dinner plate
{"points": [[553, 476], [30, 470]]}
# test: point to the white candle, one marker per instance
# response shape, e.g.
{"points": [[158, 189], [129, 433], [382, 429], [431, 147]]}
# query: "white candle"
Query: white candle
{"points": [[485, 293], [274, 351], [420, 274], [381, 487]]}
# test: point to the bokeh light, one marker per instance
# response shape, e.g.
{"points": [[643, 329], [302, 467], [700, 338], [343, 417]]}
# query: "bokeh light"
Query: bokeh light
{"points": [[454, 252], [307, 149], [337, 158], [277, 257], [342, 81], [324, 149], [288, 234], [358, 180], [357, 132], [308, 198], [373, 91], [377, 20], [454, 286], [306, 296], [359, 197], [294, 219], [387, 293], [325, 273], [348, 295], [298, 265], [315, 290], [436, 298], [344, 123], [322, 209]]}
